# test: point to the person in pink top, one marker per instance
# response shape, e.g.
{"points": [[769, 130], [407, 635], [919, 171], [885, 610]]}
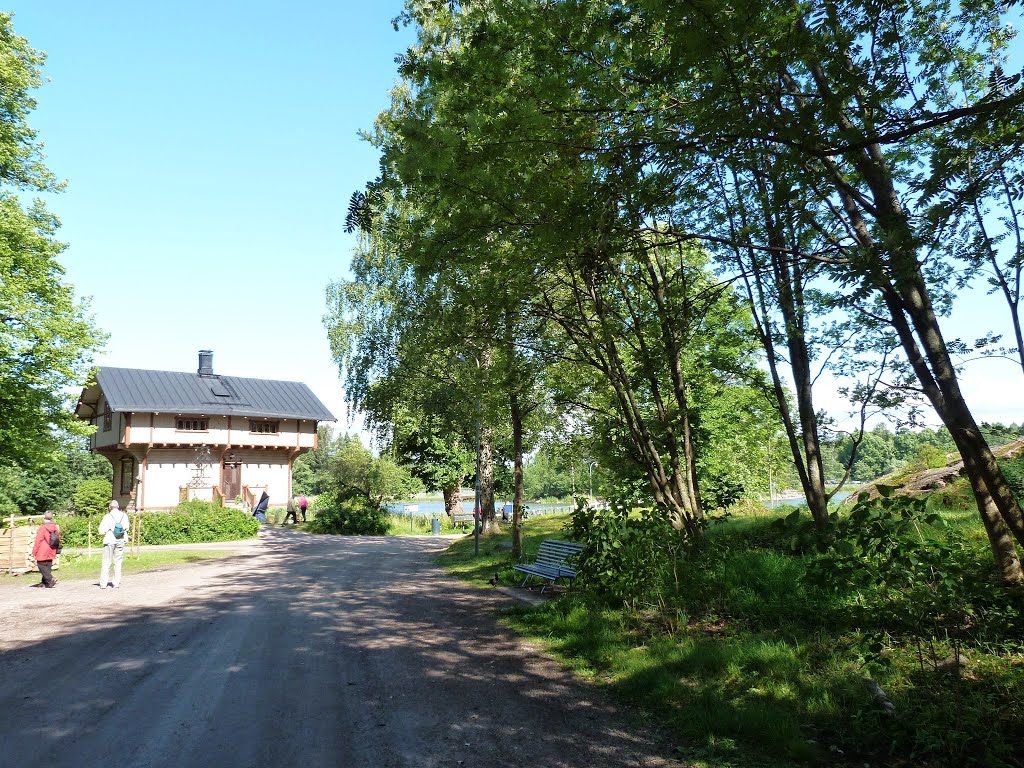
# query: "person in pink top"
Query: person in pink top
{"points": [[43, 552], [303, 506]]}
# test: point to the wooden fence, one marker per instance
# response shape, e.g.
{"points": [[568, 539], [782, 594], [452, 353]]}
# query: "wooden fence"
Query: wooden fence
{"points": [[16, 543]]}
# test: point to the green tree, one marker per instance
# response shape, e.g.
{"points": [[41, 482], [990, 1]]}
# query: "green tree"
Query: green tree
{"points": [[545, 477], [46, 336], [875, 456], [311, 471], [92, 496], [358, 474]]}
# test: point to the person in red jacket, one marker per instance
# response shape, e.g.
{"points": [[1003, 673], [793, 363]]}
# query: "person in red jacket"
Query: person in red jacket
{"points": [[43, 552]]}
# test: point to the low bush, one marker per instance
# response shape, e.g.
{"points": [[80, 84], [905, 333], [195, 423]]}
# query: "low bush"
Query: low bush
{"points": [[627, 555], [192, 522], [351, 517], [74, 530], [196, 521], [1013, 471]]}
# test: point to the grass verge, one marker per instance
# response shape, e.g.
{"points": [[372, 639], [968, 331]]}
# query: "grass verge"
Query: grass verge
{"points": [[87, 566], [745, 662]]}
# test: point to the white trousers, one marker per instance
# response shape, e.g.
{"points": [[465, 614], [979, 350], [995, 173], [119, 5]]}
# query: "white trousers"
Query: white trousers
{"points": [[113, 552]]}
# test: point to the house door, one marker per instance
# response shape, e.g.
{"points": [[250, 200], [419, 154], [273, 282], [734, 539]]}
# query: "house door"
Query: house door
{"points": [[231, 480]]}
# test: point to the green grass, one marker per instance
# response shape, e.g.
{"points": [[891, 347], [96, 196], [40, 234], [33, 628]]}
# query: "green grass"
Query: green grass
{"points": [[420, 525], [87, 566], [748, 665]]}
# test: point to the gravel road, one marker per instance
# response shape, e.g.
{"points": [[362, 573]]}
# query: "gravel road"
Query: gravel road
{"points": [[298, 651]]}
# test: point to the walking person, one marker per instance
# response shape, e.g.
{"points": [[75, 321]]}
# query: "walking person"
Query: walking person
{"points": [[114, 530], [303, 506], [291, 512], [45, 549]]}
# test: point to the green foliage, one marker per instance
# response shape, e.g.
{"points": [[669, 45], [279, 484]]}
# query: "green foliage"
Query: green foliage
{"points": [[797, 534], [352, 517], [192, 522], [46, 337], [876, 455], [751, 655], [304, 481], [356, 474], [92, 496], [929, 457], [74, 530], [311, 472], [766, 588], [905, 573], [1013, 471], [196, 521], [17, 496], [50, 485], [545, 476], [628, 556]]}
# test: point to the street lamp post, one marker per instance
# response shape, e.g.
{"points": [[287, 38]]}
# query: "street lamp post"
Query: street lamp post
{"points": [[477, 512]]}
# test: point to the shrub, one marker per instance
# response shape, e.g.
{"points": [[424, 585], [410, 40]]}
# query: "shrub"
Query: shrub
{"points": [[195, 521], [626, 557], [92, 496], [74, 530], [350, 517], [1013, 471]]}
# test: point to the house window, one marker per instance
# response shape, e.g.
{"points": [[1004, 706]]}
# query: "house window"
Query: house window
{"points": [[106, 417], [127, 474], [264, 427], [193, 425]]}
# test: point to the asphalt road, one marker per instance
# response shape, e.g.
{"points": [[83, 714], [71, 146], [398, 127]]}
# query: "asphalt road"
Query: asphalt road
{"points": [[299, 651]]}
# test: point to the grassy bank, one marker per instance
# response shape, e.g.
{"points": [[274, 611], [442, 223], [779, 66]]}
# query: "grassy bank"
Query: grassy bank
{"points": [[751, 659]]}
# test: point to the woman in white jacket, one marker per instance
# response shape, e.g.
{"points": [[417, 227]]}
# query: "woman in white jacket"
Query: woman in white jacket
{"points": [[114, 530]]}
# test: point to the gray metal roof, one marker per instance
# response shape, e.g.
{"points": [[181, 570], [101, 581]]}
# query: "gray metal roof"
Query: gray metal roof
{"points": [[132, 390]]}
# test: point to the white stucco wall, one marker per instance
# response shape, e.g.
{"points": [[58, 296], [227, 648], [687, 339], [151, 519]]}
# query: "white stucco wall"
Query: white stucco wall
{"points": [[161, 429], [166, 471]]}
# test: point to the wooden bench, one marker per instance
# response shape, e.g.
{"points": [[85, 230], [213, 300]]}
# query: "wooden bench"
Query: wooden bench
{"points": [[551, 563]]}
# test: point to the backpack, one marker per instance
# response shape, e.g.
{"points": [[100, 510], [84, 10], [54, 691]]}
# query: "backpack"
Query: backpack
{"points": [[55, 540], [119, 529]]}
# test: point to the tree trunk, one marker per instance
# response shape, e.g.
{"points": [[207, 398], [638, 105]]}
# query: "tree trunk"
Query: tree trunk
{"points": [[903, 288], [452, 500], [891, 267], [487, 477]]}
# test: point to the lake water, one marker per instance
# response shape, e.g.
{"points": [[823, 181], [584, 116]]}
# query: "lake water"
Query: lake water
{"points": [[432, 508], [801, 501], [436, 508]]}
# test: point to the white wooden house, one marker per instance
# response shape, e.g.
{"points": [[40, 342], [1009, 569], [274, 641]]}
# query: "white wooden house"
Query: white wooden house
{"points": [[175, 436]]}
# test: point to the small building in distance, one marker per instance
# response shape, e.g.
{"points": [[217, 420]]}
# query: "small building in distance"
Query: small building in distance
{"points": [[176, 436]]}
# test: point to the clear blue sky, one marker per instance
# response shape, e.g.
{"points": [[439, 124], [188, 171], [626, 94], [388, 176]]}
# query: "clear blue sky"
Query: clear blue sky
{"points": [[210, 150]]}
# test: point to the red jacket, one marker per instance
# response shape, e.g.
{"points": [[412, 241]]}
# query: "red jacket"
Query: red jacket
{"points": [[42, 549]]}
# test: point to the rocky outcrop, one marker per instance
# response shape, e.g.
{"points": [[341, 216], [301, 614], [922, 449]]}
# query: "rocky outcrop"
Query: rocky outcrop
{"points": [[930, 480]]}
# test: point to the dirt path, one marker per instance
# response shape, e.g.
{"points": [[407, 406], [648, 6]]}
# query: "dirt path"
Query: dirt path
{"points": [[314, 651]]}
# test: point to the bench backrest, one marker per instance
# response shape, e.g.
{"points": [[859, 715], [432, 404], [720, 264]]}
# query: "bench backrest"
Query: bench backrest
{"points": [[554, 553]]}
